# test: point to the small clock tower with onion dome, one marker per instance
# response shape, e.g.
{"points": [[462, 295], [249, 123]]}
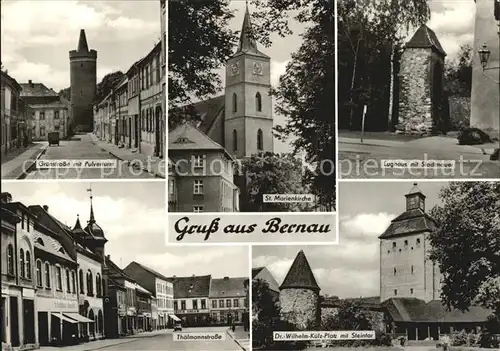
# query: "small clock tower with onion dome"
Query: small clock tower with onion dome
{"points": [[248, 120]]}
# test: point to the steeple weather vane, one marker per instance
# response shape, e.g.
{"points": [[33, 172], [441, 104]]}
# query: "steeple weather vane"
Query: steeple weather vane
{"points": [[92, 218]]}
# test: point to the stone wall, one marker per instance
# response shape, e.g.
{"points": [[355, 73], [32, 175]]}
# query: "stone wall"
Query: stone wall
{"points": [[460, 110], [300, 307], [415, 105]]}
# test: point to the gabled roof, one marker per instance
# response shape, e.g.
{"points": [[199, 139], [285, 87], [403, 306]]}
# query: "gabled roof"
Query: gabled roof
{"points": [[300, 275], [117, 270], [195, 286], [10, 80], [264, 274], [415, 310], [209, 110], [256, 271], [36, 89], [228, 287], [409, 222], [425, 38], [188, 137], [147, 269]]}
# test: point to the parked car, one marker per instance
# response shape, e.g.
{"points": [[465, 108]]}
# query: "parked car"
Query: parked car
{"points": [[53, 138], [177, 326]]}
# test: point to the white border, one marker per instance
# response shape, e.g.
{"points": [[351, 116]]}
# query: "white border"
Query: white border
{"points": [[250, 284]]}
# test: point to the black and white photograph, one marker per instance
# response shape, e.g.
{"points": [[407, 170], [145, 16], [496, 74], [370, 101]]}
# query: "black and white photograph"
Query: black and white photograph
{"points": [[64, 250], [251, 106], [83, 89], [418, 85], [419, 268]]}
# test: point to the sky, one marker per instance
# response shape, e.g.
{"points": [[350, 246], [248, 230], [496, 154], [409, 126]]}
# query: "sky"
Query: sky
{"points": [[133, 218], [350, 269], [38, 35], [453, 22]]}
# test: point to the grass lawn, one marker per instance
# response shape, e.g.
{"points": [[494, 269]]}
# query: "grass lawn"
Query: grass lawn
{"points": [[378, 135]]}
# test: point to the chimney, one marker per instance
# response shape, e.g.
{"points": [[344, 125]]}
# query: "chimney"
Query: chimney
{"points": [[6, 198], [30, 83], [46, 208], [226, 278], [193, 276], [108, 257]]}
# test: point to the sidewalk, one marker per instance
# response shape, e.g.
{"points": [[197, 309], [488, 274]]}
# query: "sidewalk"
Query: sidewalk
{"points": [[104, 343], [150, 164], [18, 167], [436, 147], [241, 337]]}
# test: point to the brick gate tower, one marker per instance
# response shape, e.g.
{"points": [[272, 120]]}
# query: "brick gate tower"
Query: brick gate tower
{"points": [[83, 73]]}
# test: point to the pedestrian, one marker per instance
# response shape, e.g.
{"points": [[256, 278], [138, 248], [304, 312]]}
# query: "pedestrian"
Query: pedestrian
{"points": [[445, 342]]}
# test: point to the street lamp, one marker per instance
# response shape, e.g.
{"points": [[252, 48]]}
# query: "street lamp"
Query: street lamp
{"points": [[484, 56]]}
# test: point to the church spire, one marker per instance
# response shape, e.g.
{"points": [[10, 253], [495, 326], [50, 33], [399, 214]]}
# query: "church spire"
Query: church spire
{"points": [[247, 37], [91, 218], [82, 42]]}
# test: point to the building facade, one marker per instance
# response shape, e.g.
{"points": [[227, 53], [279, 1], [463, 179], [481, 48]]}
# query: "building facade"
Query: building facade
{"points": [[83, 75], [161, 288], [16, 115], [228, 301], [191, 300], [144, 319], [19, 320], [202, 171], [51, 112]]}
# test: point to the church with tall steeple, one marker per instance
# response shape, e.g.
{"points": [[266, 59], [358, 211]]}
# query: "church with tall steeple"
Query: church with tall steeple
{"points": [[232, 126]]}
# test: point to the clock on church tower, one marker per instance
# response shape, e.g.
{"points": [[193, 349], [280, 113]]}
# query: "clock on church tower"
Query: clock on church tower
{"points": [[248, 118]]}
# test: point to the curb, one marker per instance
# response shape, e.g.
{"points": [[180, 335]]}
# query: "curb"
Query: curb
{"points": [[235, 340], [33, 165], [128, 162], [111, 345]]}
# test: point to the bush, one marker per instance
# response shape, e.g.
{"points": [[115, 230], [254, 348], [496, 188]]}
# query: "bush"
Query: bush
{"points": [[473, 136], [488, 340], [459, 339], [384, 339]]}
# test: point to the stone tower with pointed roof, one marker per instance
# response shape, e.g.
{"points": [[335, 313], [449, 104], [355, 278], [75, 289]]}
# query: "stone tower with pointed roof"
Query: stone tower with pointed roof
{"points": [[299, 295], [248, 114], [421, 85], [405, 267], [83, 75]]}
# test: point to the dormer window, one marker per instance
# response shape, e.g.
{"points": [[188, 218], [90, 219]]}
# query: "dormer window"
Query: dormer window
{"points": [[40, 241], [61, 250]]}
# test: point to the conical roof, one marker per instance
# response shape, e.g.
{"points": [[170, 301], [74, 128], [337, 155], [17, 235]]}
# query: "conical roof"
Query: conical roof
{"points": [[82, 42], [248, 44], [425, 38], [77, 229], [300, 275]]}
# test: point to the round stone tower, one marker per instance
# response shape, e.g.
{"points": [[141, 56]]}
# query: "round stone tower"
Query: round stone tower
{"points": [[299, 295], [83, 73]]}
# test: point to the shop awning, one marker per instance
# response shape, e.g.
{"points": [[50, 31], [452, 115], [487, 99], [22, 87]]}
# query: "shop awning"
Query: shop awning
{"points": [[78, 317], [64, 318], [174, 317]]}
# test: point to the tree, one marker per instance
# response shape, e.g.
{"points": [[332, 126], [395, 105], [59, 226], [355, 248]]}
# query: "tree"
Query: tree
{"points": [[306, 91], [459, 73], [199, 42], [108, 83], [269, 173], [466, 244], [65, 93], [266, 320]]}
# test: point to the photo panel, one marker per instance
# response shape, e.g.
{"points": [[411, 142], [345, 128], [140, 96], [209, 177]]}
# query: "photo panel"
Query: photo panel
{"points": [[251, 121], [419, 93], [94, 105], [430, 244]]}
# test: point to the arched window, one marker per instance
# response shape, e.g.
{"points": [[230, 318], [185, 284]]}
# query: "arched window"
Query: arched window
{"points": [[98, 285], [258, 102], [235, 103], [10, 260], [73, 282], [235, 140], [260, 142], [100, 322], [28, 265], [68, 281], [92, 325], [80, 278], [21, 259], [47, 275], [58, 278], [39, 273], [90, 284]]}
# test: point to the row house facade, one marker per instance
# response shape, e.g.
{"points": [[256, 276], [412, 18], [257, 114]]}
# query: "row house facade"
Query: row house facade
{"points": [[16, 115], [132, 114], [51, 112], [144, 318], [191, 300], [228, 300], [161, 289]]}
